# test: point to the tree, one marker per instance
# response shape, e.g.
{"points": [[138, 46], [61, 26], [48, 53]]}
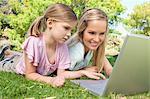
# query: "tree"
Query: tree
{"points": [[113, 8], [139, 20], [17, 16]]}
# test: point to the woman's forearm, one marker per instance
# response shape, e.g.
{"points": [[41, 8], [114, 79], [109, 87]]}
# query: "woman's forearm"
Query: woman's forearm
{"points": [[107, 67]]}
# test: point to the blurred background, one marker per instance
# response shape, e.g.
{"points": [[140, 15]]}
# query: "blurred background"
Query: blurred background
{"points": [[125, 16]]}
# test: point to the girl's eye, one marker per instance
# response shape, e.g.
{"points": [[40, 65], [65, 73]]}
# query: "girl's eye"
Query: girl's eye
{"points": [[66, 28]]}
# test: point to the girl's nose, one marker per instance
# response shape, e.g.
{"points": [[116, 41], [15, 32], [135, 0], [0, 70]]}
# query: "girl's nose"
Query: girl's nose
{"points": [[67, 36]]}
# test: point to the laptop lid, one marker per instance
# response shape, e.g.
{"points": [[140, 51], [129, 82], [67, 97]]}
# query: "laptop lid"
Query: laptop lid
{"points": [[130, 73], [149, 60]]}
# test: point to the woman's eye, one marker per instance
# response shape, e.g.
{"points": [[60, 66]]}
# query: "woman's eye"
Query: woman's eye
{"points": [[91, 32], [102, 33]]}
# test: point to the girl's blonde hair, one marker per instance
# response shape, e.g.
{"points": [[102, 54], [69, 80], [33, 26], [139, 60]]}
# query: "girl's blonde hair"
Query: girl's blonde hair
{"points": [[57, 12], [89, 15]]}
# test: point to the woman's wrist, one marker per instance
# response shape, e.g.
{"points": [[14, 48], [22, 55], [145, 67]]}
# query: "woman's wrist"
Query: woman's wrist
{"points": [[83, 72]]}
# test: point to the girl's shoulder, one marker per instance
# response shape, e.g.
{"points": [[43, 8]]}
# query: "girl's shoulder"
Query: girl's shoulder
{"points": [[35, 39], [32, 41], [62, 46]]}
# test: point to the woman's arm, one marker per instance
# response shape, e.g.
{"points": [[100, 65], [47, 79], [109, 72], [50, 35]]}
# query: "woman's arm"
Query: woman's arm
{"points": [[31, 74], [107, 66], [79, 73]]}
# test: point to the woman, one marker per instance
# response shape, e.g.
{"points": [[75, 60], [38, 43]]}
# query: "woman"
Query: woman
{"points": [[88, 44]]}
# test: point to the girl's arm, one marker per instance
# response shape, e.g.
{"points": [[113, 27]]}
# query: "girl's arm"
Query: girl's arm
{"points": [[31, 74], [107, 66]]}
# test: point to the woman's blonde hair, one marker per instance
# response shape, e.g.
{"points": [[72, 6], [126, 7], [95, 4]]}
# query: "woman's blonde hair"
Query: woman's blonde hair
{"points": [[89, 15], [57, 12]]}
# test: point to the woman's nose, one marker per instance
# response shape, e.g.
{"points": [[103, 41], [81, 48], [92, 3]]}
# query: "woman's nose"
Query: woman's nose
{"points": [[97, 38]]}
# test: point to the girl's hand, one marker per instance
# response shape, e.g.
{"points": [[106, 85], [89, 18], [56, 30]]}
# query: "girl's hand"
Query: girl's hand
{"points": [[58, 81], [93, 75]]}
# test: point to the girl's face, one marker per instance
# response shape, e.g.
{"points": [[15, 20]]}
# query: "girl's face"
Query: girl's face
{"points": [[60, 29], [94, 35]]}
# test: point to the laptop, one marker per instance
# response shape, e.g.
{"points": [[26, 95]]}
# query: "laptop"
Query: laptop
{"points": [[131, 71]]}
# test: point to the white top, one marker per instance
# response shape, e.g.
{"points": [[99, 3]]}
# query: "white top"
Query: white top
{"points": [[78, 61]]}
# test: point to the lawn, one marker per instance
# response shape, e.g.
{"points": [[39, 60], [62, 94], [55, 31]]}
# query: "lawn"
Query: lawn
{"points": [[14, 86]]}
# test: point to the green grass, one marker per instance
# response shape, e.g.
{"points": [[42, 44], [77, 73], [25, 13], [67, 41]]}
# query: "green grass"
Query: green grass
{"points": [[14, 86]]}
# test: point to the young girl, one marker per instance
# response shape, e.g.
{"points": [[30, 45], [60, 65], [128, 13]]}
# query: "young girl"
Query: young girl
{"points": [[44, 50], [89, 44]]}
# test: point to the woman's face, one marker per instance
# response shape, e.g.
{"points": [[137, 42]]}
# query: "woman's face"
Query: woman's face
{"points": [[94, 35], [60, 29]]}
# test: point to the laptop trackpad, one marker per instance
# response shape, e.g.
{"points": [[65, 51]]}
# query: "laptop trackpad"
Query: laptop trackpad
{"points": [[95, 86]]}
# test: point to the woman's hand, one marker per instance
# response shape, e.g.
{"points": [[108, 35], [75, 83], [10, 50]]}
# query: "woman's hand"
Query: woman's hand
{"points": [[92, 69], [93, 75]]}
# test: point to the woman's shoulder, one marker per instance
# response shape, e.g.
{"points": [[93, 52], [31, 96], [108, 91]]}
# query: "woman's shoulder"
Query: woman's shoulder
{"points": [[77, 50], [78, 46]]}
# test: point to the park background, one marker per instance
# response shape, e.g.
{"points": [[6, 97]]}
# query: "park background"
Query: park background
{"points": [[125, 16]]}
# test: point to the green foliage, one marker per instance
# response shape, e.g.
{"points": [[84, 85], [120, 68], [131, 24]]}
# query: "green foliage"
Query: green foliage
{"points": [[112, 59], [17, 22], [13, 86], [139, 20], [17, 15], [114, 44], [112, 7]]}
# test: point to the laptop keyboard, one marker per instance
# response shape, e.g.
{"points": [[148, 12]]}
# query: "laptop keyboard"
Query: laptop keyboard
{"points": [[95, 86]]}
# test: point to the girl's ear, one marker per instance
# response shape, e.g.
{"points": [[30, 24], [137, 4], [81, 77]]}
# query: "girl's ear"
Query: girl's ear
{"points": [[49, 23]]}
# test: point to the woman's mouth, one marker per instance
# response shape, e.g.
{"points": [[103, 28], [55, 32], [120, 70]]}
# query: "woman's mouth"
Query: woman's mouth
{"points": [[93, 44]]}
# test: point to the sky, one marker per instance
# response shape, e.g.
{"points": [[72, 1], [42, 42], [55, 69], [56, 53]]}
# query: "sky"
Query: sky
{"points": [[129, 4]]}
